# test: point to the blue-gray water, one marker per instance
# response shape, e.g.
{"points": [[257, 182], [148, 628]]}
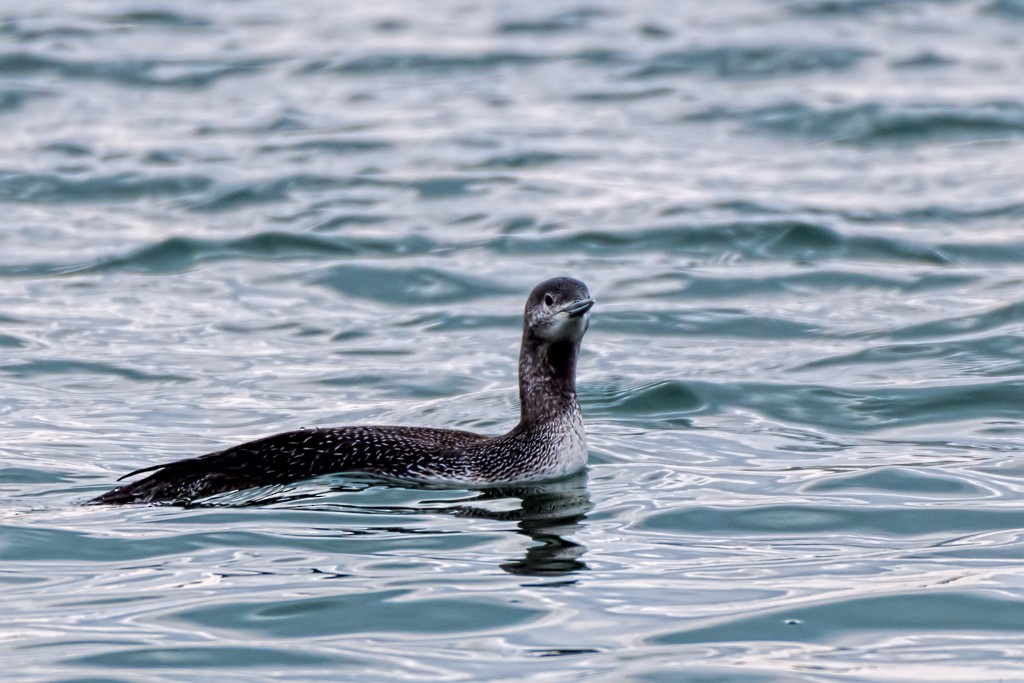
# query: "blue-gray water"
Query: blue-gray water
{"points": [[803, 221]]}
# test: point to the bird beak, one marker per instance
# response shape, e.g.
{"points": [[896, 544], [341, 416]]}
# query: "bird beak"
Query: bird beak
{"points": [[578, 308]]}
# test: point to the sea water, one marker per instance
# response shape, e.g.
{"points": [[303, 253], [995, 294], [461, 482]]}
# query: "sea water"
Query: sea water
{"points": [[803, 223]]}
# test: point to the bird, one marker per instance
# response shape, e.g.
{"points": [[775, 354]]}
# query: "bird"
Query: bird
{"points": [[548, 442]]}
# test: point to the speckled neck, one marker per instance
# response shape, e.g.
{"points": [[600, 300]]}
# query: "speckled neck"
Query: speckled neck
{"points": [[547, 378]]}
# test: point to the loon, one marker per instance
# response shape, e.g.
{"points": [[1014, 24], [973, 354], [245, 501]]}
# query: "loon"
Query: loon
{"points": [[548, 443]]}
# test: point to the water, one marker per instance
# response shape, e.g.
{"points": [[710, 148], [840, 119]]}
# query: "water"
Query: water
{"points": [[803, 221]]}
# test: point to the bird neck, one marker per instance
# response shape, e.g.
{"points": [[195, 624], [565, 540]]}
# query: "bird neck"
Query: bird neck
{"points": [[547, 378]]}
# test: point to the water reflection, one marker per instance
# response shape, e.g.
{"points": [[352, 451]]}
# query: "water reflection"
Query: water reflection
{"points": [[548, 514]]}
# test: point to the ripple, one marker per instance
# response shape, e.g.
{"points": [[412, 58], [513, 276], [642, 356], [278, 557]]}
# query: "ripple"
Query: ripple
{"points": [[405, 286], [330, 146], [231, 197], [622, 95], [15, 98], [937, 213], [927, 60], [826, 280], [662, 404], [764, 239], [161, 18], [9, 341], [30, 544], [901, 481], [860, 409], [910, 612], [452, 186], [25, 475], [878, 123], [342, 221], [802, 386], [867, 520], [54, 187], [992, 356], [178, 73], [999, 207], [211, 657], [73, 369], [178, 254], [1011, 9], [713, 323], [750, 61], [391, 611], [840, 8], [843, 410], [992, 320], [564, 21], [525, 160], [436, 62], [28, 29]]}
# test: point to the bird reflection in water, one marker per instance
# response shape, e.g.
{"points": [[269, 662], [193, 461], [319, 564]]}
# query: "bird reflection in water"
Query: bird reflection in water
{"points": [[548, 514]]}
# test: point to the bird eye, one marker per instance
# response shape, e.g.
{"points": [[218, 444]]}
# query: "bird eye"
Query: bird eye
{"points": [[549, 300]]}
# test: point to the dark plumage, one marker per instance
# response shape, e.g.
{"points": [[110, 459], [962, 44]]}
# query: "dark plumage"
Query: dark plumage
{"points": [[547, 443]]}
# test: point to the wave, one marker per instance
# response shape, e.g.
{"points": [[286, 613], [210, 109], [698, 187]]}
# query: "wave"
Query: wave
{"points": [[1011, 314], [229, 197], [897, 480], [927, 213], [139, 72], [849, 615], [765, 239], [823, 519], [15, 98], [723, 323], [842, 8], [1011, 9], [412, 286], [836, 409], [329, 146], [9, 341], [340, 222], [752, 61], [866, 409], [66, 367], [693, 286], [623, 95], [424, 61], [331, 616], [177, 254], [68, 26], [999, 355], [936, 213], [195, 192], [664, 404], [525, 160], [565, 21], [56, 187], [875, 122], [161, 18], [453, 62]]}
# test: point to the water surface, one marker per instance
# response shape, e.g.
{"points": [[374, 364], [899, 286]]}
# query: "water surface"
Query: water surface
{"points": [[803, 383]]}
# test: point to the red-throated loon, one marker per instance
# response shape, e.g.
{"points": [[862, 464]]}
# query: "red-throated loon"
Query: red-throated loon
{"points": [[548, 442]]}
